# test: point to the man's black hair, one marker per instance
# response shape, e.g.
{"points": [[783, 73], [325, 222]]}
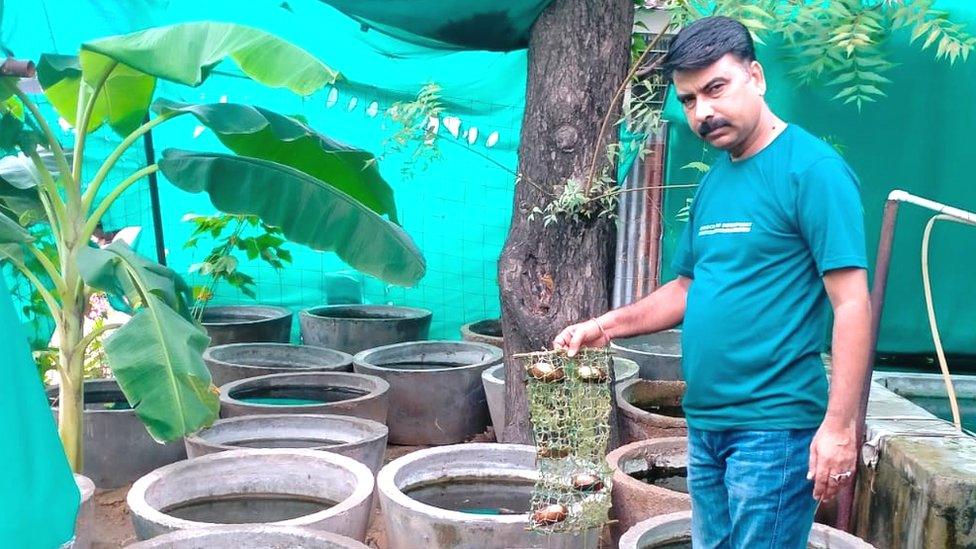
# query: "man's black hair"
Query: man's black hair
{"points": [[706, 41]]}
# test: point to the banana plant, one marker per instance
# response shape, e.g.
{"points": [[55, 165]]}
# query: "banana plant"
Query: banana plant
{"points": [[321, 193]]}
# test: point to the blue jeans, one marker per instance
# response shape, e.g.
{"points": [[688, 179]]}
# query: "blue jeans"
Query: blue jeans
{"points": [[749, 489]]}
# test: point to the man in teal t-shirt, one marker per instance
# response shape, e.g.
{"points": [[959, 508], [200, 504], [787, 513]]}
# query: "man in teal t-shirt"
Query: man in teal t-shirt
{"points": [[774, 240]]}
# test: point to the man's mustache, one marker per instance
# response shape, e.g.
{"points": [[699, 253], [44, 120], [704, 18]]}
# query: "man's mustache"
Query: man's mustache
{"points": [[709, 126]]}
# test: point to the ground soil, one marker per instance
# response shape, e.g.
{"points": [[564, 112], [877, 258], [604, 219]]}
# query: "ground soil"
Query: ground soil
{"points": [[113, 528]]}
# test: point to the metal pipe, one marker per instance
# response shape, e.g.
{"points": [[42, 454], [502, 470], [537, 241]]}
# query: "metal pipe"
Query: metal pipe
{"points": [[656, 205], [845, 501], [18, 67], [882, 264], [619, 258], [633, 234], [623, 275], [640, 258], [623, 255], [157, 215]]}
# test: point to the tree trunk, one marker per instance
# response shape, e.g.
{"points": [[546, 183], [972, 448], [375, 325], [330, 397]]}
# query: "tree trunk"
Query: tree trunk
{"points": [[553, 276]]}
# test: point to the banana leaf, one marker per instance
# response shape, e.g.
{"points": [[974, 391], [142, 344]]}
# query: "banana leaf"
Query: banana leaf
{"points": [[12, 233], [19, 179], [260, 133], [309, 211], [157, 358], [123, 100], [11, 128], [19, 171], [185, 53], [107, 269]]}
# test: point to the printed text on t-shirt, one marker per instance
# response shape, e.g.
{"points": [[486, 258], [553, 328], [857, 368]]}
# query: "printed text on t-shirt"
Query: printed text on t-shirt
{"points": [[729, 227]]}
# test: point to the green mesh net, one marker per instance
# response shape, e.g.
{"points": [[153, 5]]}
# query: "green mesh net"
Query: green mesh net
{"points": [[569, 407]]}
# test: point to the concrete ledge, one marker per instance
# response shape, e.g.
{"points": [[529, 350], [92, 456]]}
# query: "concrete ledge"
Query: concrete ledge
{"points": [[926, 385], [922, 491]]}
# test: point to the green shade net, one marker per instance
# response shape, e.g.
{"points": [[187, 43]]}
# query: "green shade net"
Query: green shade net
{"points": [[918, 139], [498, 25], [38, 495], [457, 209]]}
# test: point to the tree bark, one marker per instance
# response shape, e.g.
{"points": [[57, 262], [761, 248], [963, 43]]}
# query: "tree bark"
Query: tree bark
{"points": [[550, 277]]}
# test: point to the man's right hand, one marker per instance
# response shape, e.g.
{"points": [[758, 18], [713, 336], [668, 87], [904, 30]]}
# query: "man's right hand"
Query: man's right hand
{"points": [[584, 334]]}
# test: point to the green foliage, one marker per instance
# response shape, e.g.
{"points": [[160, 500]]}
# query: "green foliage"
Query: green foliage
{"points": [[415, 135], [934, 25], [684, 213], [839, 43], [157, 357], [834, 142], [834, 43], [96, 361], [308, 210], [573, 200], [260, 133], [32, 308], [700, 167], [264, 242], [15, 128], [120, 272], [320, 192], [125, 68]]}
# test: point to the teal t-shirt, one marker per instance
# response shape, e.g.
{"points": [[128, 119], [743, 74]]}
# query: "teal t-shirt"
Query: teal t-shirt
{"points": [[762, 232], [38, 495]]}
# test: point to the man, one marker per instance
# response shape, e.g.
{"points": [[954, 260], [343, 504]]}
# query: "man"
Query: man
{"points": [[775, 236]]}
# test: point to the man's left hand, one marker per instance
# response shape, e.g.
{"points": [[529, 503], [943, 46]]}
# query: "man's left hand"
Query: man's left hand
{"points": [[833, 453]]}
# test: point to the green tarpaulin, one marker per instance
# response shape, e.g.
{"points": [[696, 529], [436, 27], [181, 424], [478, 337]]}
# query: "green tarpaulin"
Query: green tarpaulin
{"points": [[498, 25], [38, 495], [458, 209]]}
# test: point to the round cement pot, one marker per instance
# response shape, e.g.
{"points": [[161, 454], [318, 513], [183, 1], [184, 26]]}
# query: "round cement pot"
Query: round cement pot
{"points": [[250, 536], [247, 323], [438, 498], [483, 331], [675, 528], [243, 360], [353, 328], [116, 445], [338, 393], [282, 487], [361, 439], [436, 395], [494, 381], [657, 354], [648, 480], [85, 522], [651, 409]]}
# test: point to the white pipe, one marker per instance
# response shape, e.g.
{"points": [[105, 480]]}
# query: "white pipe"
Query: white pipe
{"points": [[948, 213], [903, 196]]}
